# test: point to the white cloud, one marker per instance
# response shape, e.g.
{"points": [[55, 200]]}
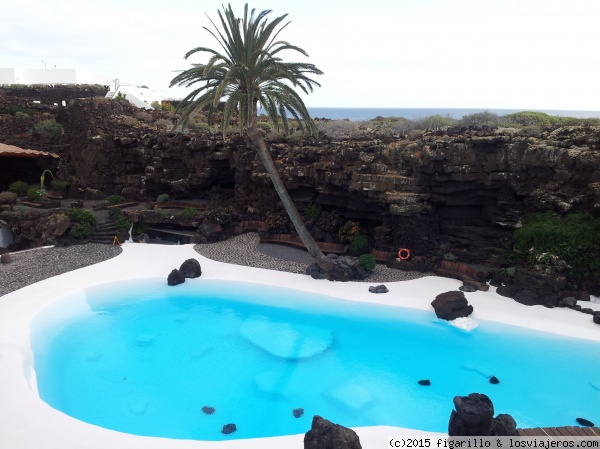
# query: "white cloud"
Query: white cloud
{"points": [[384, 53]]}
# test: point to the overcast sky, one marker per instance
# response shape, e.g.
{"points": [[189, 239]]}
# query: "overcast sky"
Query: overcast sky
{"points": [[515, 54]]}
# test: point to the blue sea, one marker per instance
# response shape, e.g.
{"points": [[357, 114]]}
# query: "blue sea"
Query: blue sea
{"points": [[362, 114]]}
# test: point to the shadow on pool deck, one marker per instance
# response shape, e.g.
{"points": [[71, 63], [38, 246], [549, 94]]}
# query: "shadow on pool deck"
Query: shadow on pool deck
{"points": [[284, 252]]}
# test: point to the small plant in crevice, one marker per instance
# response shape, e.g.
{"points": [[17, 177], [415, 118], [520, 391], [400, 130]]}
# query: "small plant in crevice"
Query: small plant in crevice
{"points": [[162, 198], [450, 257], [312, 211], [189, 212], [116, 199], [161, 212]]}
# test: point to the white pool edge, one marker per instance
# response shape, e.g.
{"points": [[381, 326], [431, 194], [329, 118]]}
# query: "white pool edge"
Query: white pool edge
{"points": [[27, 422]]}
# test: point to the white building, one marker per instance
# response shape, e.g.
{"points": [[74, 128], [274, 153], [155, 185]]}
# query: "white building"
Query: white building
{"points": [[140, 96]]}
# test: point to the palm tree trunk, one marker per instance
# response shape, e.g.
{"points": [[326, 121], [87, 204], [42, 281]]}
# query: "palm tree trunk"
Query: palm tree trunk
{"points": [[261, 148]]}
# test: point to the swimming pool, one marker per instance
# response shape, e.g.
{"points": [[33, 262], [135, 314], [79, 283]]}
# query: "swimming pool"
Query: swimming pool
{"points": [[143, 358]]}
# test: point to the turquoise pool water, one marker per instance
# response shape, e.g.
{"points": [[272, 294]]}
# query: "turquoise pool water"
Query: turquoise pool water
{"points": [[143, 358]]}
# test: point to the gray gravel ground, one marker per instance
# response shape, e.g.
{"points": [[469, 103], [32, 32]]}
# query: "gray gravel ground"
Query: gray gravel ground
{"points": [[38, 264], [246, 250]]}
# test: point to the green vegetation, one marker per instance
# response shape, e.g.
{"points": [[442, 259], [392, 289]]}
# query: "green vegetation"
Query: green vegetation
{"points": [[359, 244], [162, 198], [58, 185], [163, 213], [118, 217], [79, 215], [81, 230], [18, 187], [189, 212], [451, 257], [546, 238], [247, 67], [47, 129], [219, 215], [526, 122], [14, 109], [34, 193], [367, 262], [312, 211], [116, 199]]}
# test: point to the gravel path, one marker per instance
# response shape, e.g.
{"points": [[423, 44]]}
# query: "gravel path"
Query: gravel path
{"points": [[246, 249], [38, 264]]}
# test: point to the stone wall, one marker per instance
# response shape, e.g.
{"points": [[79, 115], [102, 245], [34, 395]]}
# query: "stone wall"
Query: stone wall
{"points": [[48, 94], [460, 191]]}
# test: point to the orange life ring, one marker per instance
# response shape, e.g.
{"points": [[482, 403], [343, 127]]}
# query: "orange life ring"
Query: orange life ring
{"points": [[403, 254]]}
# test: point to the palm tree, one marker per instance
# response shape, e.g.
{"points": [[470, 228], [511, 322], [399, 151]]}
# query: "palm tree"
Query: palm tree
{"points": [[246, 71]]}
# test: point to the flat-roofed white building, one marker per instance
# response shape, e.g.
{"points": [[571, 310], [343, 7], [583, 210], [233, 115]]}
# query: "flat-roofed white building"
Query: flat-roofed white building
{"points": [[141, 96]]}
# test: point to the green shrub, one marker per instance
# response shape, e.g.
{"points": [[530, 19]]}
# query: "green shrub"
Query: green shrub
{"points": [[529, 118], [434, 122], [359, 244], [339, 129], [34, 193], [479, 120], [19, 187], [218, 215], [116, 199], [265, 126], [79, 215], [81, 230], [118, 217], [368, 262], [47, 129], [161, 212], [14, 109], [312, 211], [8, 197], [58, 185], [574, 239], [189, 212], [162, 198]]}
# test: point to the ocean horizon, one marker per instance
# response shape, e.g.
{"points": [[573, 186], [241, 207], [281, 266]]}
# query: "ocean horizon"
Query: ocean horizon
{"points": [[364, 114]]}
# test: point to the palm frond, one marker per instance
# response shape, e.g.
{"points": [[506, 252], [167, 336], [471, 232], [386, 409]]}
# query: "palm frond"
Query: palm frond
{"points": [[249, 70]]}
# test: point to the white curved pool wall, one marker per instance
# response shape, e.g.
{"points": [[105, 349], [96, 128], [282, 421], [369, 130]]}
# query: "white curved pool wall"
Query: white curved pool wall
{"points": [[28, 422]]}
